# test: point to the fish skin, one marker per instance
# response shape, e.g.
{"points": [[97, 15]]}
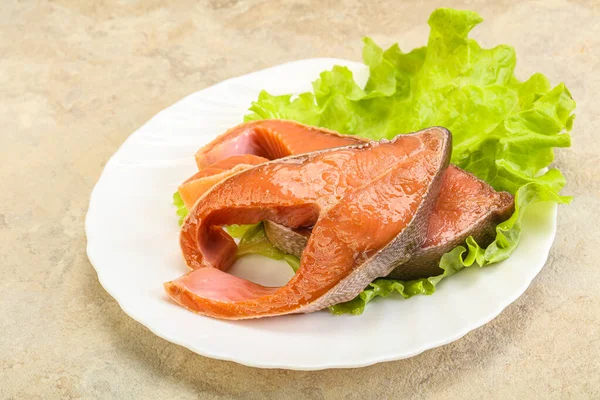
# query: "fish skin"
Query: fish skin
{"points": [[337, 264], [453, 200]]}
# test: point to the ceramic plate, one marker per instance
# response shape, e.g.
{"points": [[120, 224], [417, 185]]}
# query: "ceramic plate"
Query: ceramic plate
{"points": [[132, 236]]}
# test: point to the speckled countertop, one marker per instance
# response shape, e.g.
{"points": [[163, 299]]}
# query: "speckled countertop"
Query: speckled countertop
{"points": [[77, 77]]}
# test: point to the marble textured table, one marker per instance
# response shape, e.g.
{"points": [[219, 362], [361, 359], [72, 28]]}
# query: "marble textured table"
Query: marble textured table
{"points": [[77, 77]]}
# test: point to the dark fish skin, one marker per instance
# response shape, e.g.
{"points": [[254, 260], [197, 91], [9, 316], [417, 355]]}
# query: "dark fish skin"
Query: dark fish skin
{"points": [[354, 241], [481, 211]]}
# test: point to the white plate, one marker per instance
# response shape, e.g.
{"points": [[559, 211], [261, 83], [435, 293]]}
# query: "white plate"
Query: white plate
{"points": [[132, 236]]}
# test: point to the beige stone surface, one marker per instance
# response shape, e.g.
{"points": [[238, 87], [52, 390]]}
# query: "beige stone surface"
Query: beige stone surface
{"points": [[77, 77]]}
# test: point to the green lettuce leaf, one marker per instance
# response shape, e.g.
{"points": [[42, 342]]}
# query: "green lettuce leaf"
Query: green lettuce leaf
{"points": [[254, 241], [504, 130], [182, 210], [238, 231]]}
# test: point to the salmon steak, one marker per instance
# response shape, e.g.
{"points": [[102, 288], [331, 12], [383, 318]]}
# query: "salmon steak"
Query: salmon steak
{"points": [[368, 205], [467, 206], [253, 143]]}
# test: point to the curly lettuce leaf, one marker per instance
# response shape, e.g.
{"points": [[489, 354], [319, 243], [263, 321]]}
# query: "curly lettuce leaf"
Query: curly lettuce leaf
{"points": [[504, 130]]}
